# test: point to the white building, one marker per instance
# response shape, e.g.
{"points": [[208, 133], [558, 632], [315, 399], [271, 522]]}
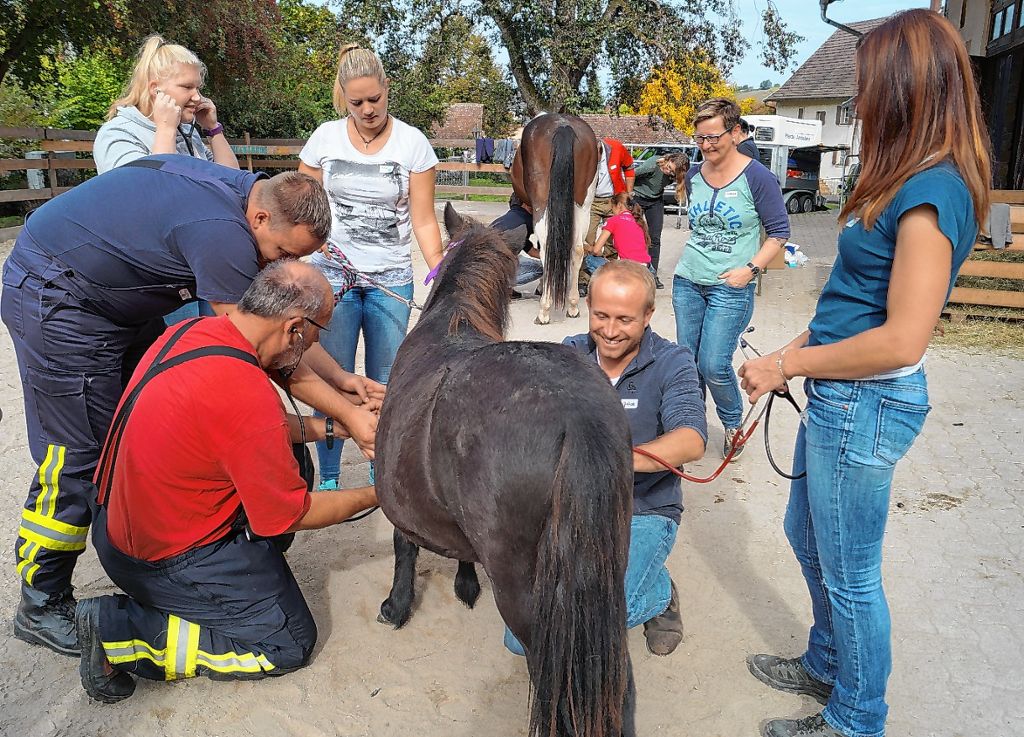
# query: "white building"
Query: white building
{"points": [[819, 89]]}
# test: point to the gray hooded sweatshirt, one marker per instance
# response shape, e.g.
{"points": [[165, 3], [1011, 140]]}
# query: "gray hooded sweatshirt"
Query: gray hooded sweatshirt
{"points": [[129, 135]]}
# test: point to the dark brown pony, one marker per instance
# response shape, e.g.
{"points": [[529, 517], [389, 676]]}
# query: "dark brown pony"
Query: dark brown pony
{"points": [[514, 455], [554, 171]]}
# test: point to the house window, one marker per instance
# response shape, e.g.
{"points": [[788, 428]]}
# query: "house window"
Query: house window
{"points": [[800, 113], [843, 116], [839, 157], [997, 25], [1008, 25], [820, 115]]}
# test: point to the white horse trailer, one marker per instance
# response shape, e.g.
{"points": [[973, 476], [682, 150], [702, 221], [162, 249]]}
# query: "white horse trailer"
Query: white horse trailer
{"points": [[791, 148]]}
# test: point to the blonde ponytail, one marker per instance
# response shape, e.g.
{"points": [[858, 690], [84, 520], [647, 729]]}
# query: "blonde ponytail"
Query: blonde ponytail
{"points": [[355, 62], [157, 59]]}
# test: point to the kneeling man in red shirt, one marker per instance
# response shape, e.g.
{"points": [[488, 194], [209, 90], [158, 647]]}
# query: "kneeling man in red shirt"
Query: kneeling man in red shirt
{"points": [[197, 481]]}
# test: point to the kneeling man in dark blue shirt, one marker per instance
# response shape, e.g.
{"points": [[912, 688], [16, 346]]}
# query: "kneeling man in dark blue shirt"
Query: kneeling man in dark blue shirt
{"points": [[657, 382]]}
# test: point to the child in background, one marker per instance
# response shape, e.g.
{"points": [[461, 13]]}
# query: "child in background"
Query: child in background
{"points": [[629, 229]]}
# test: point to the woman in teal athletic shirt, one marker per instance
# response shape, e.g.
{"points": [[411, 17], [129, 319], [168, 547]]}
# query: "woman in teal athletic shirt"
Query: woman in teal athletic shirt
{"points": [[731, 198]]}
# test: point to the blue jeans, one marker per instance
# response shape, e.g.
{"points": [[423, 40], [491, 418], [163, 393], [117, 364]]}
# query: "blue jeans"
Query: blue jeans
{"points": [[199, 308], [383, 321], [648, 587], [591, 263], [852, 435], [709, 320], [529, 270]]}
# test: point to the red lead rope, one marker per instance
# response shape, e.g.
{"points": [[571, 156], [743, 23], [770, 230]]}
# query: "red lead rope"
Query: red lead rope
{"points": [[738, 441]]}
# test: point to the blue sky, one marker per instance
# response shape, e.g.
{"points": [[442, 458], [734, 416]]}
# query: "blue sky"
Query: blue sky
{"points": [[804, 17]]}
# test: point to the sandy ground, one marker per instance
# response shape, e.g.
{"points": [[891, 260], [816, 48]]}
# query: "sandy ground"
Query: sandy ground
{"points": [[952, 569]]}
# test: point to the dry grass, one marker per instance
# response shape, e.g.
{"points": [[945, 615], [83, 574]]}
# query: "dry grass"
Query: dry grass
{"points": [[1000, 330]]}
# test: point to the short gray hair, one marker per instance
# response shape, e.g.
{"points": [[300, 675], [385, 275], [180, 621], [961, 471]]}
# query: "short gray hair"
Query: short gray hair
{"points": [[284, 288], [293, 198]]}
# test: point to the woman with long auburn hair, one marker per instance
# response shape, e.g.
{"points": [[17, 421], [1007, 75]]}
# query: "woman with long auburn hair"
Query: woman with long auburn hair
{"points": [[909, 225]]}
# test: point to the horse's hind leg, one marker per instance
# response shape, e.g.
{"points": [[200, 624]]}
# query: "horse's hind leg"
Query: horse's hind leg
{"points": [[467, 586], [581, 221], [395, 610], [540, 229]]}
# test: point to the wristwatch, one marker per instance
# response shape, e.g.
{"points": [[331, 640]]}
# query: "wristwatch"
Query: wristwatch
{"points": [[219, 128], [754, 268], [329, 432]]}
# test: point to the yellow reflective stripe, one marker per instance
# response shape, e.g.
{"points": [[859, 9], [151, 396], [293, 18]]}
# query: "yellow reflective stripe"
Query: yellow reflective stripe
{"points": [[192, 650], [127, 651], [56, 525], [28, 551], [173, 630], [234, 663], [49, 542], [44, 484], [27, 570], [55, 481]]}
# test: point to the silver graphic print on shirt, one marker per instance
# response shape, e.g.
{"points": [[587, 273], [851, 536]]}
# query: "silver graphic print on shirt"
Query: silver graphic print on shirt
{"points": [[365, 200]]}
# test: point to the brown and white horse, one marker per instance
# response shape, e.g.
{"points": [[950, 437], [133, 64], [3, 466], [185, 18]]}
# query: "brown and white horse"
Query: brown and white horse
{"points": [[555, 171]]}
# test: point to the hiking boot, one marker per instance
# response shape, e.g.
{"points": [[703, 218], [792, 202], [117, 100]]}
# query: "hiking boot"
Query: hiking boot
{"points": [[99, 679], [47, 620], [730, 434], [657, 282], [788, 674], [814, 726], [665, 632]]}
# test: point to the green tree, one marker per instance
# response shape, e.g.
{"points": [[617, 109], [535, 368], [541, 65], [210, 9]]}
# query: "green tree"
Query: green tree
{"points": [[553, 47], [765, 85], [87, 83], [34, 29], [293, 95], [231, 36], [458, 64]]}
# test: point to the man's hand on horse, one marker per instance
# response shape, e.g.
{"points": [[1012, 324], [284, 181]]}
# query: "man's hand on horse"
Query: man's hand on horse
{"points": [[360, 390], [361, 425]]}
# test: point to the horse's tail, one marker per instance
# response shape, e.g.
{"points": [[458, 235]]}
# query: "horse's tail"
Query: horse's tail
{"points": [[578, 658], [559, 215]]}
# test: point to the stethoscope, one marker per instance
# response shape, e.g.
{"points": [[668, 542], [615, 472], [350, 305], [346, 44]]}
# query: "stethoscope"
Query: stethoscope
{"points": [[746, 429], [784, 393]]}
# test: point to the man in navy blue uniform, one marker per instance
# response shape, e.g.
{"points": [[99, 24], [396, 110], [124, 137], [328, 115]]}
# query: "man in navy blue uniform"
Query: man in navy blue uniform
{"points": [[84, 291], [657, 382]]}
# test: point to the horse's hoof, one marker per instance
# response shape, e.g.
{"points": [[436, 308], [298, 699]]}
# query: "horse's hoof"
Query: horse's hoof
{"points": [[573, 315], [390, 617], [538, 321]]}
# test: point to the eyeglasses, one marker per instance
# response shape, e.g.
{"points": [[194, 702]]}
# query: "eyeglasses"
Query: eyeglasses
{"points": [[315, 324], [699, 139]]}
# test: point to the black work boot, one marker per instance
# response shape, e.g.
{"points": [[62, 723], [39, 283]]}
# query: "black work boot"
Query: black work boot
{"points": [[665, 632], [99, 679], [789, 675], [47, 620], [813, 726]]}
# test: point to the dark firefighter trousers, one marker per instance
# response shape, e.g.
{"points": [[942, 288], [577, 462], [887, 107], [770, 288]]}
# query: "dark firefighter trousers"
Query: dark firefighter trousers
{"points": [[230, 609], [74, 365]]}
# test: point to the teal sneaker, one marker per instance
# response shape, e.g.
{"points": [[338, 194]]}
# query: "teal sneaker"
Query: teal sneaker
{"points": [[328, 485]]}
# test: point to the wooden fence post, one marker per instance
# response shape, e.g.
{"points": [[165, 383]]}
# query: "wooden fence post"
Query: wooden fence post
{"points": [[248, 156]]}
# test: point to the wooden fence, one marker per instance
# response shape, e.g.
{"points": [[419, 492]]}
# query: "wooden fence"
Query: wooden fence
{"points": [[252, 153], [1012, 271]]}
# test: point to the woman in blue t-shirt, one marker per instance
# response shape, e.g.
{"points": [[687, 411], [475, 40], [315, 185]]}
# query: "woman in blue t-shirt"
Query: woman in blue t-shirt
{"points": [[731, 198], [910, 223]]}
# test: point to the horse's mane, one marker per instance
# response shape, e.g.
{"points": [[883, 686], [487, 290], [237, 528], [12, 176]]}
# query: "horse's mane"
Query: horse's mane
{"points": [[475, 281]]}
